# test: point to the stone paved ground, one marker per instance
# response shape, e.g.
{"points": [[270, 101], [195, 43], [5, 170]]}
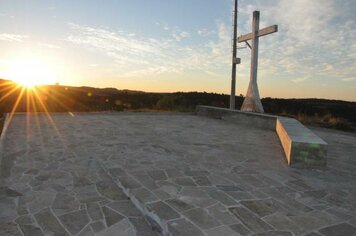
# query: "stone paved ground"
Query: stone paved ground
{"points": [[183, 174]]}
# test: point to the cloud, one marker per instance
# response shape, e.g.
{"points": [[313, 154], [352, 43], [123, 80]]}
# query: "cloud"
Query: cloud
{"points": [[349, 79], [136, 56], [316, 38], [175, 32], [178, 36], [205, 32], [48, 45], [12, 37], [299, 80]]}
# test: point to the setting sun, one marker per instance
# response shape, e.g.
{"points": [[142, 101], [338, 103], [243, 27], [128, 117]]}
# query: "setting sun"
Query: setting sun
{"points": [[29, 72]]}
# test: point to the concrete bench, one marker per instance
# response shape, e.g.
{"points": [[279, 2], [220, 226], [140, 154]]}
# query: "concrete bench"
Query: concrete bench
{"points": [[301, 146]]}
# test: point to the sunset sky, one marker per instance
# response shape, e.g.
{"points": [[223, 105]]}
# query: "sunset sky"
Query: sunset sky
{"points": [[181, 45]]}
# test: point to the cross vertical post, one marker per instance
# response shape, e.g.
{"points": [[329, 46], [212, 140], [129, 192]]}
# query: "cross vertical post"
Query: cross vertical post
{"points": [[252, 102]]}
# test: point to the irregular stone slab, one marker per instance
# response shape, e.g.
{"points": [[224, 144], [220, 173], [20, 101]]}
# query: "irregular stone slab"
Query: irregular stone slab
{"points": [[9, 229], [145, 180], [94, 211], [32, 171], [289, 203], [129, 183], [173, 173], [241, 229], [87, 231], [281, 222], [251, 180], [8, 209], [38, 200], [254, 223], [162, 195], [318, 194], [259, 207], [179, 205], [21, 206], [300, 185], [222, 197], [192, 173], [125, 208], [202, 181], [222, 230], [142, 228], [339, 230], [183, 227], [64, 203], [222, 214], [79, 181], [198, 201], [110, 190], [170, 188], [157, 174], [116, 172], [307, 223], [184, 181], [201, 218], [49, 223], [144, 196], [122, 228], [327, 219], [313, 234], [8, 192], [88, 194], [7, 163], [30, 230], [229, 188], [75, 221], [274, 233], [353, 222], [340, 213], [240, 195], [111, 216], [97, 226], [24, 220], [43, 176], [163, 211]]}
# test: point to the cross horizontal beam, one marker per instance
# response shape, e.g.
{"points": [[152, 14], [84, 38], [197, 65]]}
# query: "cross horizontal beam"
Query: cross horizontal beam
{"points": [[265, 31]]}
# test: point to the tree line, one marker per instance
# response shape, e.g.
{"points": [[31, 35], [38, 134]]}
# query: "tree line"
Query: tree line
{"points": [[56, 98]]}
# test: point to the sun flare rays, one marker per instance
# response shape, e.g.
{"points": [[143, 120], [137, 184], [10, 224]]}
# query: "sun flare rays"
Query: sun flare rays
{"points": [[33, 101]]}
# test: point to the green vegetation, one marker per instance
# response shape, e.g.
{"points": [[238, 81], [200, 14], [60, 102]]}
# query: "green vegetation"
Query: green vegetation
{"points": [[321, 112]]}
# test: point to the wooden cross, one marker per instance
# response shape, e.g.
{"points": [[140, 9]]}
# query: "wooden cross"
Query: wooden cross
{"points": [[252, 102]]}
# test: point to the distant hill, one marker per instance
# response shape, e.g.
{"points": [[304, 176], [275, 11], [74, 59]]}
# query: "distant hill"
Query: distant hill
{"points": [[58, 98]]}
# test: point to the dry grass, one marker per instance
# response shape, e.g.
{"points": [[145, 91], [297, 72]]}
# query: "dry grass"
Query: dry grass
{"points": [[327, 121]]}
